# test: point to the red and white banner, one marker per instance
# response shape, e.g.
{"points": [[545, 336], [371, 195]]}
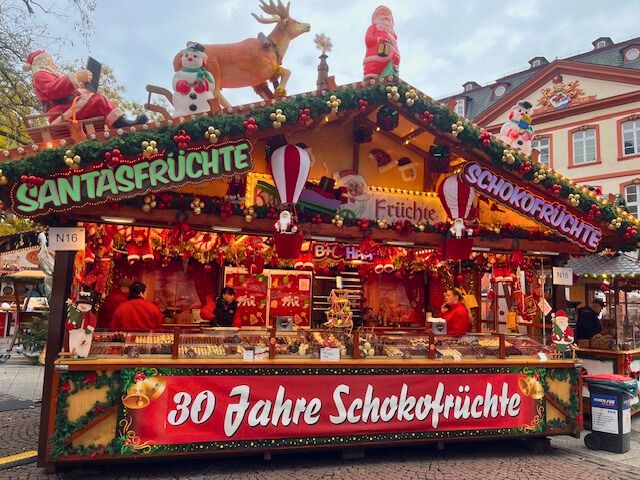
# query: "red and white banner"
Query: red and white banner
{"points": [[194, 409]]}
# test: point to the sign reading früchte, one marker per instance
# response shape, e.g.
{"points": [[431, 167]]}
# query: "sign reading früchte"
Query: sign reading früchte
{"points": [[516, 197], [130, 178]]}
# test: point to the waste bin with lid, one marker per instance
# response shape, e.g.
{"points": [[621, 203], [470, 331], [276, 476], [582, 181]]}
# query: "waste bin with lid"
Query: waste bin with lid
{"points": [[610, 396]]}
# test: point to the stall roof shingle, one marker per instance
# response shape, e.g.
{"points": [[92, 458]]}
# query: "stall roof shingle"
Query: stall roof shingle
{"points": [[604, 265]]}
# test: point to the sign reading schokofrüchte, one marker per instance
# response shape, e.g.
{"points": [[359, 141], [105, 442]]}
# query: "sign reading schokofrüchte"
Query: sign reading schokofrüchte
{"points": [[131, 178]]}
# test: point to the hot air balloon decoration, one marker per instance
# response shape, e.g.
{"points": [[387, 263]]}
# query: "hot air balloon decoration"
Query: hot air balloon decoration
{"points": [[290, 165], [457, 200]]}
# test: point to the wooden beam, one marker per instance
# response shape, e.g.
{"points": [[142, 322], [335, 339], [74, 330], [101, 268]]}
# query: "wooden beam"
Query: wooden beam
{"points": [[395, 138], [62, 278]]}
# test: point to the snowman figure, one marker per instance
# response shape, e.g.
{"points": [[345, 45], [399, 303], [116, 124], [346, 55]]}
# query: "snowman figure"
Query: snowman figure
{"points": [[81, 322], [517, 131], [193, 85], [285, 223], [562, 334]]}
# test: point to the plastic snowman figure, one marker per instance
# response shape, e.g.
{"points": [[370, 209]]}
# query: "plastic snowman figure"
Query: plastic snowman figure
{"points": [[81, 322], [193, 85], [285, 223], [517, 131]]}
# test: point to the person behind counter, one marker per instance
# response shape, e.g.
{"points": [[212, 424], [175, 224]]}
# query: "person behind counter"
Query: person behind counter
{"points": [[137, 313], [226, 308], [588, 323], [455, 313]]}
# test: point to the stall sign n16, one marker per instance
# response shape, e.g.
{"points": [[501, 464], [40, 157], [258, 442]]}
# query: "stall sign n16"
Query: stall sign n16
{"points": [[66, 238], [563, 276]]}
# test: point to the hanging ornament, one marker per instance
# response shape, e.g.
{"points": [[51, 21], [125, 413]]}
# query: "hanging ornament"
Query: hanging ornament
{"points": [[363, 224], [410, 97], [605, 286], [539, 176], [392, 93], [334, 103], [250, 126], [421, 226], [574, 199], [164, 200], [556, 189], [594, 212], [615, 224], [525, 167], [31, 180], [338, 220], [509, 156], [149, 203], [71, 160], [149, 148], [426, 116], [457, 128], [249, 214], [364, 105], [485, 138], [212, 134], [316, 219], [387, 118], [631, 232], [304, 115], [182, 139], [226, 210], [3, 178], [383, 224], [197, 205], [277, 118], [113, 158]]}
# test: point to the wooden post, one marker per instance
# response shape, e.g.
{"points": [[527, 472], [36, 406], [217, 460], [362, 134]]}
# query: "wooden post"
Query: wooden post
{"points": [[356, 345], [501, 346], [62, 276]]}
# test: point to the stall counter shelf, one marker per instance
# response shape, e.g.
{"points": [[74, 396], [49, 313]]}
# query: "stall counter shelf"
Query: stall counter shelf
{"points": [[122, 408]]}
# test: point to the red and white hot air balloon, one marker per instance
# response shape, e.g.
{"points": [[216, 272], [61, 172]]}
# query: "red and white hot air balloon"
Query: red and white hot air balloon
{"points": [[290, 167], [456, 197]]}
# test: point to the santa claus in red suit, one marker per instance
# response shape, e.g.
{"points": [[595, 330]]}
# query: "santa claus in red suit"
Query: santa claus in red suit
{"points": [[62, 94], [382, 56]]}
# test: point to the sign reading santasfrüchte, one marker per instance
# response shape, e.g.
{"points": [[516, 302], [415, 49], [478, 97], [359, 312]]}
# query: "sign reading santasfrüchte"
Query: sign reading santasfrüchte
{"points": [[518, 198], [100, 183]]}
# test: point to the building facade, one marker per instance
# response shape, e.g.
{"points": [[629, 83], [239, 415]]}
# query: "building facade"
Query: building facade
{"points": [[586, 114]]}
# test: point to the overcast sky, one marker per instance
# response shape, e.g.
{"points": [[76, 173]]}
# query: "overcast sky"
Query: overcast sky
{"points": [[443, 43]]}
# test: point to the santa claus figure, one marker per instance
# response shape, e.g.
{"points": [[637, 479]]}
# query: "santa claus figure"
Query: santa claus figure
{"points": [[562, 335], [517, 131], [382, 57], [63, 96], [285, 223], [81, 322], [192, 85], [139, 247]]}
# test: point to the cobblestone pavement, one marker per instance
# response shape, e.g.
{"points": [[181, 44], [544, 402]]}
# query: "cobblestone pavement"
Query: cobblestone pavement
{"points": [[495, 460]]}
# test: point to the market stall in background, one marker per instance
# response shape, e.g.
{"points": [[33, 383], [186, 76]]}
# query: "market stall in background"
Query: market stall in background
{"points": [[340, 218]]}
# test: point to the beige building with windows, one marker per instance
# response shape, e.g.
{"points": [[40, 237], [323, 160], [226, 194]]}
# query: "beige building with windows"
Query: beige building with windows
{"points": [[586, 114]]}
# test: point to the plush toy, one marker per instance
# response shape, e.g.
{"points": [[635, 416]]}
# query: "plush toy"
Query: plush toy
{"points": [[193, 85], [517, 131], [81, 322], [562, 334], [286, 224], [139, 247]]}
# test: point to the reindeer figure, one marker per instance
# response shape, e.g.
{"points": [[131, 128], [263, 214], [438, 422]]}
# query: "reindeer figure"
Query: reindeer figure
{"points": [[255, 61]]}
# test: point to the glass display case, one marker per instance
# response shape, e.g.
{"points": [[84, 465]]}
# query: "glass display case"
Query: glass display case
{"points": [[394, 345], [132, 344], [224, 343], [314, 344]]}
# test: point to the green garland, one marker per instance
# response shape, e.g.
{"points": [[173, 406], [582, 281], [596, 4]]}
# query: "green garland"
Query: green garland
{"points": [[71, 383], [373, 92]]}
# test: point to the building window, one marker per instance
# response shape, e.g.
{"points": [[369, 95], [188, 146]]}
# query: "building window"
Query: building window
{"points": [[500, 90], [632, 196], [542, 145], [631, 138], [536, 63], [584, 147], [632, 54], [460, 107], [601, 44]]}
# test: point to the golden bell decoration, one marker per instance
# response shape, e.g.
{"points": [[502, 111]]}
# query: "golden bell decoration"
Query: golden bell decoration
{"points": [[531, 387], [136, 397], [154, 387]]}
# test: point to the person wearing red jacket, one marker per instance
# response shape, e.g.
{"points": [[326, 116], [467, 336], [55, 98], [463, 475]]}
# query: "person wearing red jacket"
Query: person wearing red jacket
{"points": [[137, 313], [455, 313], [61, 95]]}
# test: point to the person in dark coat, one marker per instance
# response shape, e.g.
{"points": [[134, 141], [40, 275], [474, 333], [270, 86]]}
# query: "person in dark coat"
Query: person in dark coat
{"points": [[226, 308], [588, 323]]}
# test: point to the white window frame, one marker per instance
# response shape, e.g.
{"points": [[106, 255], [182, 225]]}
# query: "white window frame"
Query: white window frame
{"points": [[536, 63], [601, 44], [631, 130], [544, 149], [460, 106], [632, 205], [581, 143]]}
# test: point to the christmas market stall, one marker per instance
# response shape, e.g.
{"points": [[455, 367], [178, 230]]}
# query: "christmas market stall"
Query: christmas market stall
{"points": [[340, 218], [614, 279]]}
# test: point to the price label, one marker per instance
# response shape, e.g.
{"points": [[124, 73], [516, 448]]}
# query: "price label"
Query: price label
{"points": [[66, 238], [329, 354]]}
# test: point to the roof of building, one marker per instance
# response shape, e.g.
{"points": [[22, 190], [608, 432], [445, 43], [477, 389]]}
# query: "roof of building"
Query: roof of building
{"points": [[620, 265], [479, 99]]}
